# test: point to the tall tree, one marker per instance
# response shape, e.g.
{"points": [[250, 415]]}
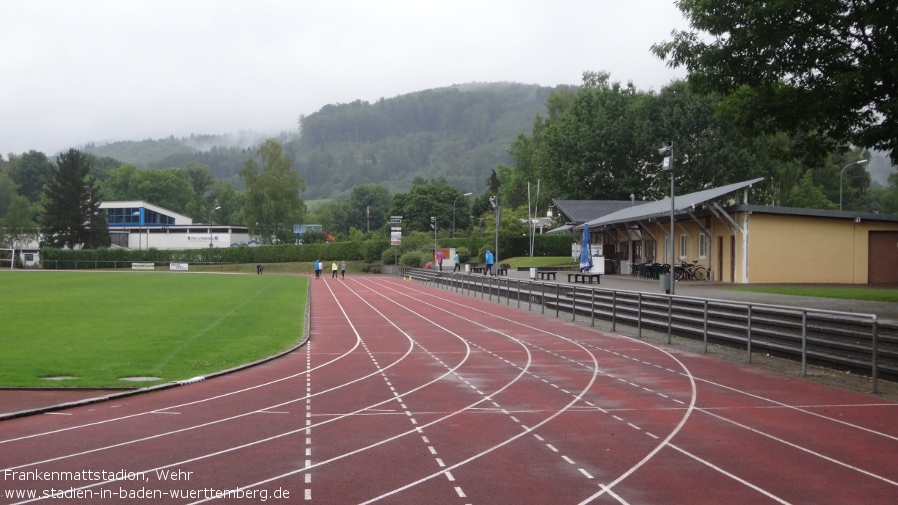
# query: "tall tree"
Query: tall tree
{"points": [[18, 223], [30, 171], [71, 203], [821, 70], [273, 202]]}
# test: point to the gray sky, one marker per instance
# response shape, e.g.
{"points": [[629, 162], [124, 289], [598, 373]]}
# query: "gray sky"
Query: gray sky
{"points": [[93, 71]]}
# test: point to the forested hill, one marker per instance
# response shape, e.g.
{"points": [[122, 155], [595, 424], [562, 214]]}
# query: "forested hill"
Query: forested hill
{"points": [[459, 132]]}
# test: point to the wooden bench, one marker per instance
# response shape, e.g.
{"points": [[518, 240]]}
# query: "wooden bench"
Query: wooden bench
{"points": [[584, 277], [477, 269], [546, 275]]}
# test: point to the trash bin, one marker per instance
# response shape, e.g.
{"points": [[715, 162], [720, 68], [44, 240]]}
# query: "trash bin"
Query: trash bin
{"points": [[467, 268], [664, 280], [533, 274]]}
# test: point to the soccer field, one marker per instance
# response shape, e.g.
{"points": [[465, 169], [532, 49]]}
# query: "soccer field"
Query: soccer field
{"points": [[96, 329]]}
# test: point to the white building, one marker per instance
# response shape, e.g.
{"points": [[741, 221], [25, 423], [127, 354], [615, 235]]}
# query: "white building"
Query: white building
{"points": [[140, 225]]}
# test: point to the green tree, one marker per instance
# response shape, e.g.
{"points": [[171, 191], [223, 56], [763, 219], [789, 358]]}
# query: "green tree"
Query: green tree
{"points": [[822, 71], [808, 195], [425, 200], [273, 202], [19, 224], [30, 171], [71, 203]]}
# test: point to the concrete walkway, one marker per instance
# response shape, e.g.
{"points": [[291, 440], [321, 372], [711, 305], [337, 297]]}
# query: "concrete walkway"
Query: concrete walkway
{"points": [[729, 291]]}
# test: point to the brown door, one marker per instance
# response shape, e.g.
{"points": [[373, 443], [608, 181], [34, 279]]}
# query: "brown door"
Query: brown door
{"points": [[732, 258], [719, 258], [882, 260]]}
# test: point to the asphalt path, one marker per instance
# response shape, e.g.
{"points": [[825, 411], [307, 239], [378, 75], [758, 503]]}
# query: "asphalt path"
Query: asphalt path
{"points": [[409, 394]]}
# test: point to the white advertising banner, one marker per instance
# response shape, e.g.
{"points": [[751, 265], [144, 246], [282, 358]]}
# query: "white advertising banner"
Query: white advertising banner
{"points": [[178, 266]]}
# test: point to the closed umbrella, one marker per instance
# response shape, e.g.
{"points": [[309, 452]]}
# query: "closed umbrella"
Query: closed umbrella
{"points": [[585, 250]]}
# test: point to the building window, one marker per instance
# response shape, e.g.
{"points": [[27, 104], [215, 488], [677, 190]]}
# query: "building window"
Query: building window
{"points": [[703, 242], [684, 246]]}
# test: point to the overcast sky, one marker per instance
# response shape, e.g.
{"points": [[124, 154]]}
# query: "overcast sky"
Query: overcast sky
{"points": [[94, 71]]}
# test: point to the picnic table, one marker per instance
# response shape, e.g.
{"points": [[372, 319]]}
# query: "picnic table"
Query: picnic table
{"points": [[584, 277]]}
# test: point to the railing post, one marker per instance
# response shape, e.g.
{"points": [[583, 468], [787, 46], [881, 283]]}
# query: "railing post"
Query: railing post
{"points": [[804, 343], [705, 329], [875, 354], [557, 299], [748, 324], [574, 304], [543, 298], [613, 309], [592, 308], [669, 316], [639, 315]]}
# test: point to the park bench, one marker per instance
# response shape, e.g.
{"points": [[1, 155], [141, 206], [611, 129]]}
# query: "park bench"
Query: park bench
{"points": [[546, 274], [584, 277]]}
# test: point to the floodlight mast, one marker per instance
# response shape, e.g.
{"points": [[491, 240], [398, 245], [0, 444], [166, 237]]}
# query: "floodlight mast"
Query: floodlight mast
{"points": [[666, 148]]}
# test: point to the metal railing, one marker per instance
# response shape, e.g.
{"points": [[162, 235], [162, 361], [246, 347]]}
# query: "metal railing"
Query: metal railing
{"points": [[844, 340]]}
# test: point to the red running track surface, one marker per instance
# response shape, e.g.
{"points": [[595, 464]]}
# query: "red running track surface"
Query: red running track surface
{"points": [[408, 394]]}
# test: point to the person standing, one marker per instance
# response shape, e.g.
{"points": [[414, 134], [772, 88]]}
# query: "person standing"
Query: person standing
{"points": [[317, 269], [490, 259], [457, 263], [343, 269], [440, 260], [334, 270]]}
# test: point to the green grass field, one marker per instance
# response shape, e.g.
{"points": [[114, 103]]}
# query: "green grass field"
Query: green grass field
{"points": [[100, 326], [842, 292]]}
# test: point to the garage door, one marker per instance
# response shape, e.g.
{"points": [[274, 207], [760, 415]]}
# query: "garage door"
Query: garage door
{"points": [[883, 260]]}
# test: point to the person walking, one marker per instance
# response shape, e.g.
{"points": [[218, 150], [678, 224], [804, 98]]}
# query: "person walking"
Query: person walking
{"points": [[334, 270], [490, 259], [343, 269], [317, 269], [457, 263]]}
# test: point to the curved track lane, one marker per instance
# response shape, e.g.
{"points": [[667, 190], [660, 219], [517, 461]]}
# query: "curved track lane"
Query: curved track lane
{"points": [[406, 394]]}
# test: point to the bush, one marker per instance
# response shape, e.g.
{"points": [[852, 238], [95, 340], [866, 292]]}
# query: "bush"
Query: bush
{"points": [[414, 259]]}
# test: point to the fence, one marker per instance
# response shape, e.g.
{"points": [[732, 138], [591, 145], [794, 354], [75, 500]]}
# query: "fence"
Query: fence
{"points": [[844, 340]]}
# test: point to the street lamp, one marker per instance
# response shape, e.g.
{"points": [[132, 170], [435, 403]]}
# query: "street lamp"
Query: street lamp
{"points": [[858, 162], [433, 223], [139, 229], [494, 201], [666, 148], [210, 225], [453, 212]]}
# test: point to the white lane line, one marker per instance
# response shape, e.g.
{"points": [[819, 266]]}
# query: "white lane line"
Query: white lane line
{"points": [[730, 475]]}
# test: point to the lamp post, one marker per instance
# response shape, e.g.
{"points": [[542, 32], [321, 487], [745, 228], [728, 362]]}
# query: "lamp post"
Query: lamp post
{"points": [[858, 162], [433, 222], [667, 148], [494, 201], [139, 229], [453, 212], [210, 224]]}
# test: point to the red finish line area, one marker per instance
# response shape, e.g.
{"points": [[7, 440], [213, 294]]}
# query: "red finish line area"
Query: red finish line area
{"points": [[408, 394]]}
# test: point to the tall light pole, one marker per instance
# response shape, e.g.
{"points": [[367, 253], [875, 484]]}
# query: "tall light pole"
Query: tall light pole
{"points": [[210, 224], [494, 201], [667, 148], [858, 162], [433, 222], [453, 212]]}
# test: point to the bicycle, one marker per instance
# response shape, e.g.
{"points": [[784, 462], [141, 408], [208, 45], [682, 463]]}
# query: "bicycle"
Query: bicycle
{"points": [[690, 272]]}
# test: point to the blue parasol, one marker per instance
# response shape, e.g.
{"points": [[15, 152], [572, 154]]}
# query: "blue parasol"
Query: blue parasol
{"points": [[585, 250]]}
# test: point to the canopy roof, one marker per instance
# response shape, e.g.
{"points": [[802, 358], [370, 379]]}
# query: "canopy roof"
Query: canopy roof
{"points": [[662, 207]]}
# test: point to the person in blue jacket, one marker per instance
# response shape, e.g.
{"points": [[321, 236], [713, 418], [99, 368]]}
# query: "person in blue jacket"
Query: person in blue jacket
{"points": [[489, 259], [317, 269]]}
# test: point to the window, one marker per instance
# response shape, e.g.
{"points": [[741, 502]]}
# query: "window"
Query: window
{"points": [[684, 246], [703, 243]]}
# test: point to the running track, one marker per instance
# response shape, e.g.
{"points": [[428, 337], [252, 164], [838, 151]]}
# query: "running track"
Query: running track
{"points": [[407, 394]]}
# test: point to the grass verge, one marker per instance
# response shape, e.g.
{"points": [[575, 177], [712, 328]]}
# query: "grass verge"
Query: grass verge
{"points": [[841, 292], [99, 327]]}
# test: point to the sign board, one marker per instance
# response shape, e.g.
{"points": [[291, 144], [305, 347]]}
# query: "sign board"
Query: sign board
{"points": [[178, 266], [395, 219], [395, 235], [142, 266]]}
